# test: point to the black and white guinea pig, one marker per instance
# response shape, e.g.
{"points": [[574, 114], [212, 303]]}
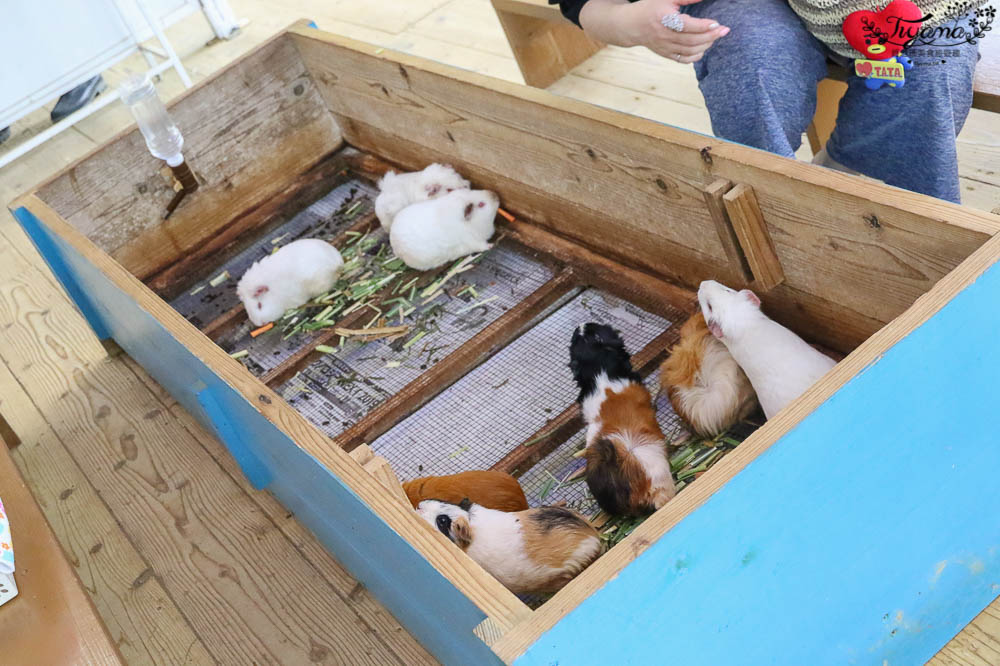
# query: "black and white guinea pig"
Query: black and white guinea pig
{"points": [[431, 233], [288, 278], [399, 190], [627, 468], [533, 551]]}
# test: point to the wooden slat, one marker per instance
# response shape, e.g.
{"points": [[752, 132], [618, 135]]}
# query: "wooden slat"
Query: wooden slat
{"points": [[380, 468], [755, 241], [632, 188], [515, 641], [538, 305], [52, 601], [184, 514], [570, 420], [480, 588], [371, 612], [145, 623], [297, 195], [739, 269], [248, 134], [594, 269], [545, 45]]}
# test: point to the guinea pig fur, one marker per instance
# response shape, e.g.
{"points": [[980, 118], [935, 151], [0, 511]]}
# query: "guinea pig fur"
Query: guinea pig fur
{"points": [[706, 386], [290, 277], [431, 233], [399, 190], [779, 364], [627, 468], [533, 551], [488, 488]]}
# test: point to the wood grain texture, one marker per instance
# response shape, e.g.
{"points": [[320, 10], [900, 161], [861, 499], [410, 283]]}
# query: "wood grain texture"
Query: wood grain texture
{"points": [[457, 364], [478, 587], [515, 641], [143, 620], [545, 45], [978, 644], [755, 241], [739, 269], [168, 493], [593, 269], [986, 85], [632, 189], [52, 620], [378, 620], [297, 195], [380, 468], [247, 136]]}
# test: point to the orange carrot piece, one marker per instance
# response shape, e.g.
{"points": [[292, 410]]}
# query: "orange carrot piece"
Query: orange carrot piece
{"points": [[505, 214], [263, 329]]}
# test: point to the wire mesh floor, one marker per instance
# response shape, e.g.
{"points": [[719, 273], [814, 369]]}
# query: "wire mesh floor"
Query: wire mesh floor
{"points": [[545, 483], [339, 389], [502, 403], [324, 218]]}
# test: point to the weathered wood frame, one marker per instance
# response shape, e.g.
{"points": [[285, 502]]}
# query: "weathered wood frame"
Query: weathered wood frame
{"points": [[605, 175]]}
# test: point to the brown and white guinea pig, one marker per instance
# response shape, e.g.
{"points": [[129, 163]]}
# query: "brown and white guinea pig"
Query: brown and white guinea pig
{"points": [[297, 272], [431, 233], [399, 190], [779, 364], [627, 468], [533, 551], [706, 386], [488, 488]]}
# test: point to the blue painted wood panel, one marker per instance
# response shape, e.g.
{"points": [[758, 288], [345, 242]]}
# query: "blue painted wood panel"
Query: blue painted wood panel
{"points": [[867, 535], [423, 600]]}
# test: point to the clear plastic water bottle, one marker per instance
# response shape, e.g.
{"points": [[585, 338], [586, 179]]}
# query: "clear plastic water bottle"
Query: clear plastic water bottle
{"points": [[163, 138]]}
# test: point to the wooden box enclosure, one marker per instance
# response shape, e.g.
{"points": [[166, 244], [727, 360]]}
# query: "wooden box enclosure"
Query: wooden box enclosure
{"points": [[802, 552]]}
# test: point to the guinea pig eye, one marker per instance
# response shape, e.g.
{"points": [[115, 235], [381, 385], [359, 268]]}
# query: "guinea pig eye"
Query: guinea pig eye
{"points": [[444, 524], [482, 203]]}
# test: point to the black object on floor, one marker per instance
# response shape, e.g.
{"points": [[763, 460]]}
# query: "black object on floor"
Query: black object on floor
{"points": [[78, 97], [4, 134]]}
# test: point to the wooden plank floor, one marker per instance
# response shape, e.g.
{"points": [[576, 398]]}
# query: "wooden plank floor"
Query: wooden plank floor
{"points": [[185, 562]]}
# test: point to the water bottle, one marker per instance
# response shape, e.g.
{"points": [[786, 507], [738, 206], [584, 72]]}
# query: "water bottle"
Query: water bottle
{"points": [[163, 138]]}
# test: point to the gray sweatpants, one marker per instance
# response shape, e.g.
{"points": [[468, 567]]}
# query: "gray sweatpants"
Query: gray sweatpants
{"points": [[759, 83]]}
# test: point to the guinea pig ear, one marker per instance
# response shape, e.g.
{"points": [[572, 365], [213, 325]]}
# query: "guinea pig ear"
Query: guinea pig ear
{"points": [[752, 297], [465, 504], [461, 532]]}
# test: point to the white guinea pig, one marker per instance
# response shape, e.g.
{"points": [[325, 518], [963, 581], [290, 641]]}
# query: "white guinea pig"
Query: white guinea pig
{"points": [[779, 364], [431, 233], [399, 190], [538, 550], [297, 272]]}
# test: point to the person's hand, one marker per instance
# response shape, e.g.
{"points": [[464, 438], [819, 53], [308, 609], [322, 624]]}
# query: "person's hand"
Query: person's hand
{"points": [[640, 24]]}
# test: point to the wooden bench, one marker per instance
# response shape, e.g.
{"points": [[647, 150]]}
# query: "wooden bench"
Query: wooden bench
{"points": [[52, 620], [547, 46]]}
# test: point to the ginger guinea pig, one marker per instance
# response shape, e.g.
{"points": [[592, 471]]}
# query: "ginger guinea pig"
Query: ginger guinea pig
{"points": [[706, 386], [533, 551], [627, 468], [399, 190], [431, 233], [779, 364], [488, 488], [297, 272]]}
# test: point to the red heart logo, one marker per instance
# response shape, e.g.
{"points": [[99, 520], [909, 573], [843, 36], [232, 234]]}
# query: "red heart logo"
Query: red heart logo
{"points": [[882, 35], [863, 69]]}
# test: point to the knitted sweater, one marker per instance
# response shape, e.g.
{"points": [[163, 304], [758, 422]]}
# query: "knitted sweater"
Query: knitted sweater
{"points": [[823, 18]]}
